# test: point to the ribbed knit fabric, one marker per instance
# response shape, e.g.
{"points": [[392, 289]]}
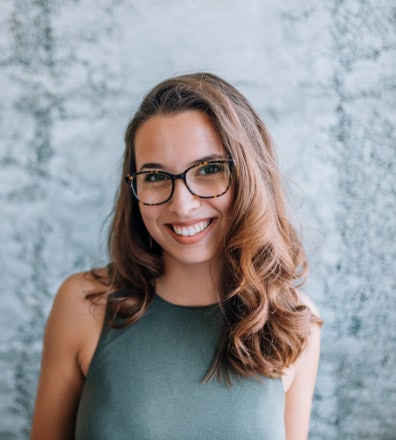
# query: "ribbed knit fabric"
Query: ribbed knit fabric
{"points": [[144, 383]]}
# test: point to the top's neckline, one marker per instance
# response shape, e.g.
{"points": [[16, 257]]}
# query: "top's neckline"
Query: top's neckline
{"points": [[182, 306]]}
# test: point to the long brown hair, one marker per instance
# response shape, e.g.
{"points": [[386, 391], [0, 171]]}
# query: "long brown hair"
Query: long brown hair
{"points": [[266, 326]]}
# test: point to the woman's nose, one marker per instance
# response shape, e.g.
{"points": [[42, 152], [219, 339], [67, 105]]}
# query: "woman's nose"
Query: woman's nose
{"points": [[183, 201]]}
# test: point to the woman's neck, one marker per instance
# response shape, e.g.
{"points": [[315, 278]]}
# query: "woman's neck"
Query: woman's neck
{"points": [[189, 285]]}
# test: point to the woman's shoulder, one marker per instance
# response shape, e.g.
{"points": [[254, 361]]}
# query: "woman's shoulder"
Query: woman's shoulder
{"points": [[313, 342], [77, 290], [310, 354], [78, 314]]}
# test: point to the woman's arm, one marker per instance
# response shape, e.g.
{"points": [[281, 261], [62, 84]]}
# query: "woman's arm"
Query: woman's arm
{"points": [[300, 392], [70, 338]]}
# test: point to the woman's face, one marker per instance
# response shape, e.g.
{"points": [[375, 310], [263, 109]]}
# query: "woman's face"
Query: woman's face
{"points": [[189, 229]]}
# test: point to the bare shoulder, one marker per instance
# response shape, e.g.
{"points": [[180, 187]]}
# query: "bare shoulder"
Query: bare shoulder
{"points": [[313, 343], [75, 288], [310, 355], [77, 315], [71, 300]]}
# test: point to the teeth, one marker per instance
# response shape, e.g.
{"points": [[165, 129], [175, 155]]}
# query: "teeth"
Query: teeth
{"points": [[188, 231]]}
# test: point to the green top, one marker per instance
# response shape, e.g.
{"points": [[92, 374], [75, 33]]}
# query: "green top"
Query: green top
{"points": [[145, 383]]}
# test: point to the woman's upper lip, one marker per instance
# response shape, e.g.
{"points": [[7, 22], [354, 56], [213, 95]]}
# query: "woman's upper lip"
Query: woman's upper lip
{"points": [[190, 222]]}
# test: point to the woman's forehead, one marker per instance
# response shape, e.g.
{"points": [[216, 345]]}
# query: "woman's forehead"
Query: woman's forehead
{"points": [[177, 139]]}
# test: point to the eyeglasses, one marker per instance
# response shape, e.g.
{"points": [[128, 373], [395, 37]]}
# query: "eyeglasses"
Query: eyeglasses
{"points": [[206, 180]]}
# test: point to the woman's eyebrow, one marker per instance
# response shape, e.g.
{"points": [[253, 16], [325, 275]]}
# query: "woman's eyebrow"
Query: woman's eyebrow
{"points": [[158, 166], [208, 158], [151, 166]]}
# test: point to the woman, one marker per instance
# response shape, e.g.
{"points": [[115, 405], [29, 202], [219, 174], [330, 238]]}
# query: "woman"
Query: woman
{"points": [[196, 329]]}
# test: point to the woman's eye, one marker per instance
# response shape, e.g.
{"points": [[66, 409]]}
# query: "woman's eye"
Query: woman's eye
{"points": [[155, 177], [211, 168]]}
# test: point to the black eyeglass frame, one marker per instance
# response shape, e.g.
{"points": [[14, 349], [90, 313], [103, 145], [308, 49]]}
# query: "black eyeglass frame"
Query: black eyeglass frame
{"points": [[130, 177]]}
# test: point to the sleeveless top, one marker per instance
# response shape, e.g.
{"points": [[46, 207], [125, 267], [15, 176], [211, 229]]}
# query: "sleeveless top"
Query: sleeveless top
{"points": [[145, 383]]}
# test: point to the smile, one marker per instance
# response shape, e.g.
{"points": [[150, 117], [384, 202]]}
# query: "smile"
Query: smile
{"points": [[189, 231]]}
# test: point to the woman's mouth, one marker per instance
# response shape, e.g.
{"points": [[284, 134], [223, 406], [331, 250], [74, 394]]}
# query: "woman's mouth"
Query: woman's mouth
{"points": [[190, 230]]}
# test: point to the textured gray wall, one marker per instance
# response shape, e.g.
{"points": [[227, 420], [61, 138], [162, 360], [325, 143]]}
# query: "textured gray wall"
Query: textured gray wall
{"points": [[322, 75]]}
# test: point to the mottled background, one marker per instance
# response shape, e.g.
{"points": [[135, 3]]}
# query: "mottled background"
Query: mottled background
{"points": [[321, 74]]}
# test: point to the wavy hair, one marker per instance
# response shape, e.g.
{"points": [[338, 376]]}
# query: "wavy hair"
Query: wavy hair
{"points": [[266, 325]]}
